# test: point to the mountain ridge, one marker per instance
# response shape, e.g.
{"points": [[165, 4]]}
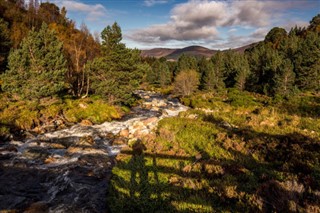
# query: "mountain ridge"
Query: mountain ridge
{"points": [[197, 51]]}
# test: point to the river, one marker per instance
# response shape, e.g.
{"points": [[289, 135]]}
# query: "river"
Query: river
{"points": [[69, 170]]}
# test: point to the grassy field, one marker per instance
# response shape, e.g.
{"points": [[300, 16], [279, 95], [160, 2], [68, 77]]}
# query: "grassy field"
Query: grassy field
{"points": [[233, 152]]}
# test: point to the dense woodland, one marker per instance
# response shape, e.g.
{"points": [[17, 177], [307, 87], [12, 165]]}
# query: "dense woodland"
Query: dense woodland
{"points": [[257, 148]]}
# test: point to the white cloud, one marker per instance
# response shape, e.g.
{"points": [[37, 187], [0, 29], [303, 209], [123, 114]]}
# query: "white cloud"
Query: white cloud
{"points": [[92, 11], [150, 3], [200, 20], [232, 30], [291, 24]]}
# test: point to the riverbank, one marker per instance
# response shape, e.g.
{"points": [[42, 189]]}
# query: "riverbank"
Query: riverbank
{"points": [[23, 118]]}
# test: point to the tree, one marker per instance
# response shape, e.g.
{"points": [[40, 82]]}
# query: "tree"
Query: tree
{"points": [[231, 65], [119, 71], [79, 48], [242, 72], [307, 62], [153, 74], [159, 74], [186, 62], [213, 73], [36, 69], [186, 82], [111, 39], [164, 75], [4, 44], [275, 36], [315, 24], [212, 79], [264, 64], [50, 13], [284, 79]]}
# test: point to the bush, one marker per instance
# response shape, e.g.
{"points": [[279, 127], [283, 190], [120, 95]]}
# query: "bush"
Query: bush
{"points": [[97, 111], [240, 99], [186, 83]]}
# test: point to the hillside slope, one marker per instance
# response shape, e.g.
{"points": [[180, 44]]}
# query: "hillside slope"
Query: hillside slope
{"points": [[197, 51]]}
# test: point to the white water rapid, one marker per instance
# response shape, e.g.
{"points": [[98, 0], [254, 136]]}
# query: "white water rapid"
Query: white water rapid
{"points": [[68, 170]]}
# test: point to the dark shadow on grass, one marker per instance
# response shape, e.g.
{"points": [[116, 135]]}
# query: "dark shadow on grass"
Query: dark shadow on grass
{"points": [[272, 173]]}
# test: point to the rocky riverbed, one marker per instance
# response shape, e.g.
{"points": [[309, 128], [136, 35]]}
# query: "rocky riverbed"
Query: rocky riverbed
{"points": [[69, 170]]}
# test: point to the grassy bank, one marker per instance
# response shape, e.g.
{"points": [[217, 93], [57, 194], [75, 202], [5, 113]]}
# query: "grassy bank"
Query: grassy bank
{"points": [[234, 152], [16, 115]]}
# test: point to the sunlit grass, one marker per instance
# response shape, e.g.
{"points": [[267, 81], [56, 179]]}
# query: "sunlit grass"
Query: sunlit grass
{"points": [[26, 115], [223, 157]]}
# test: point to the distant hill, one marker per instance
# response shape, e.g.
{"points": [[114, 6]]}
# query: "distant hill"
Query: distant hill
{"points": [[157, 52], [197, 51], [243, 48]]}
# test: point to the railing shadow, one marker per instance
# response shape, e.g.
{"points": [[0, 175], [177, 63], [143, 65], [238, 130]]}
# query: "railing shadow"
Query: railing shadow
{"points": [[242, 183]]}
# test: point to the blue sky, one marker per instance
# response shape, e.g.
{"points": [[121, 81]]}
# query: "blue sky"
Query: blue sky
{"points": [[179, 23]]}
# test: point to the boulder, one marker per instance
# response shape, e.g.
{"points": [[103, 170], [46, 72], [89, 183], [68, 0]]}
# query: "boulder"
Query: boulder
{"points": [[35, 153], [86, 123], [193, 116], [119, 141], [9, 148], [147, 105], [38, 130], [50, 160], [137, 125], [155, 108], [86, 141], [124, 133], [56, 146], [150, 120], [83, 106]]}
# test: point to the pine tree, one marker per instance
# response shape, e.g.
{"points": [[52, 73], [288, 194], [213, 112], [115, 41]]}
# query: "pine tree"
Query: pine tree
{"points": [[212, 79], [275, 36], [186, 62], [307, 62], [264, 63], [284, 79], [111, 39], [242, 72], [164, 75], [315, 24], [37, 69], [153, 75], [119, 71], [216, 67], [205, 68]]}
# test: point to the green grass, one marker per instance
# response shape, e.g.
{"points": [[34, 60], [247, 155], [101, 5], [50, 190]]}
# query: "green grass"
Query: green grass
{"points": [[233, 158], [26, 115], [97, 111]]}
